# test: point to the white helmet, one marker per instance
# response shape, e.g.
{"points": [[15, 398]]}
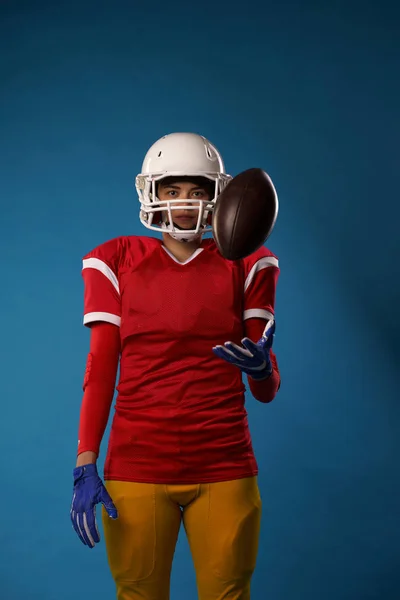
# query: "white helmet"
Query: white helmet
{"points": [[175, 155]]}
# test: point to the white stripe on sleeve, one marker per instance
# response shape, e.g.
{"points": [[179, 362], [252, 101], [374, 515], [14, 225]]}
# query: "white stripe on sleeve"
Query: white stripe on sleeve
{"points": [[263, 263], [99, 265], [101, 316], [259, 313]]}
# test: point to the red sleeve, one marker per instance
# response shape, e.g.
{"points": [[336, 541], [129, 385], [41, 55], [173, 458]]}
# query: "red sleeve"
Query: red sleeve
{"points": [[266, 389], [102, 301], [261, 271], [261, 278], [98, 385]]}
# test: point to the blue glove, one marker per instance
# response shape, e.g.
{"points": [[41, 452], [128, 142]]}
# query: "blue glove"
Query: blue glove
{"points": [[89, 490], [253, 359]]}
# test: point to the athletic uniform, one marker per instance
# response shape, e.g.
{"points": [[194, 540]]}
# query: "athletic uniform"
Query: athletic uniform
{"points": [[180, 450], [179, 442]]}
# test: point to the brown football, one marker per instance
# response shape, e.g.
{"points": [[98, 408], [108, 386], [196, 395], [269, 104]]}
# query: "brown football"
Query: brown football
{"points": [[245, 214]]}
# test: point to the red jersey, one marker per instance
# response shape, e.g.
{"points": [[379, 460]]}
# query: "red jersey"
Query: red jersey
{"points": [[179, 414]]}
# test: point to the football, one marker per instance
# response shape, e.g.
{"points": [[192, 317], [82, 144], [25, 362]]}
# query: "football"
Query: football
{"points": [[244, 214]]}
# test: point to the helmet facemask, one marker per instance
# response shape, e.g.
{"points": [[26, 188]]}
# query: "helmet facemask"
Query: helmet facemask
{"points": [[158, 215]]}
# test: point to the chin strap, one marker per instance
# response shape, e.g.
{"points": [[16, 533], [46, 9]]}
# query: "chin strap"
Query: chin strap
{"points": [[182, 235], [184, 238]]}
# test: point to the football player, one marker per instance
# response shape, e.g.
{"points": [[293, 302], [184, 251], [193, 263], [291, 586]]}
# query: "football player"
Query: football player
{"points": [[184, 326]]}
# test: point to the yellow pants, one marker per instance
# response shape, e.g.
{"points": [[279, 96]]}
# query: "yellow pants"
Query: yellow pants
{"points": [[222, 524]]}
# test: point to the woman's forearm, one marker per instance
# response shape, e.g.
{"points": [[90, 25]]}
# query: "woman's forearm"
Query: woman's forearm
{"points": [[99, 387]]}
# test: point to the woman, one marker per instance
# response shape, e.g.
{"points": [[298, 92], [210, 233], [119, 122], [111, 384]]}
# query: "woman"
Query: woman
{"points": [[181, 323]]}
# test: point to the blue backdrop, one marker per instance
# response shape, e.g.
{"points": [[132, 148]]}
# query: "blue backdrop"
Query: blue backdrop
{"points": [[310, 94]]}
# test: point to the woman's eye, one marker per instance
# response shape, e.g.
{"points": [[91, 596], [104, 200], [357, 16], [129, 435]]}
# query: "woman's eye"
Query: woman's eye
{"points": [[172, 193]]}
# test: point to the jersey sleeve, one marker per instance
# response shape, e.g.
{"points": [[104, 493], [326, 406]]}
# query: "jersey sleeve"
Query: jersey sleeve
{"points": [[102, 300], [261, 272], [261, 278]]}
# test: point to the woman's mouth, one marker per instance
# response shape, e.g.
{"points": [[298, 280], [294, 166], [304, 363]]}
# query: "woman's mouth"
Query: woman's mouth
{"points": [[184, 219]]}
